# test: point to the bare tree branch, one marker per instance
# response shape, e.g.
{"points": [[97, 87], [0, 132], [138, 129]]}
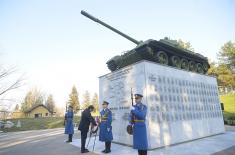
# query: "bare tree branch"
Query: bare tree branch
{"points": [[6, 74]]}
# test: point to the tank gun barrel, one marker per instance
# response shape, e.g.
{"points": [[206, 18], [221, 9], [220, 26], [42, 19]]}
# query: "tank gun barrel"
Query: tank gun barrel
{"points": [[109, 27]]}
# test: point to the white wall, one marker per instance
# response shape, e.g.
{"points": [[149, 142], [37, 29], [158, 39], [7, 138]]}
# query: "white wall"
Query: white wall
{"points": [[181, 105]]}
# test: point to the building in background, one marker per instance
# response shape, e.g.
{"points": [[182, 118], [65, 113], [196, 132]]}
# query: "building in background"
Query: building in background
{"points": [[36, 111]]}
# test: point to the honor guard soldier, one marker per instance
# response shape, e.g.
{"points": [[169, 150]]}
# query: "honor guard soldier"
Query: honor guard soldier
{"points": [[138, 115], [68, 122], [86, 120], [105, 127]]}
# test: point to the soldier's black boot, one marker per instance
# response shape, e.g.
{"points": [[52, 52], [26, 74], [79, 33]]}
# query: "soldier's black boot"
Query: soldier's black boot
{"points": [[108, 149], [104, 151], [144, 152], [70, 137]]}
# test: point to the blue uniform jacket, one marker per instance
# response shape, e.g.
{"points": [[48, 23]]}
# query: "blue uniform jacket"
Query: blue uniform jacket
{"points": [[105, 126], [69, 123], [140, 141]]}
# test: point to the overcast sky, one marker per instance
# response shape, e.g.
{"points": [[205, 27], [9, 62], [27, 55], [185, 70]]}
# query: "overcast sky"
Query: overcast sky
{"points": [[56, 47]]}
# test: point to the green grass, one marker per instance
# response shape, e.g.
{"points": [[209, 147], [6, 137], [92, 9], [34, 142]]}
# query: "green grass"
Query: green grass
{"points": [[229, 104], [229, 108], [38, 123]]}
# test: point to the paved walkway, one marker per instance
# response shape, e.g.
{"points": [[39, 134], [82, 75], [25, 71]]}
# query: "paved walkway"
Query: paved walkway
{"points": [[230, 128], [47, 142], [37, 142], [204, 146], [231, 150]]}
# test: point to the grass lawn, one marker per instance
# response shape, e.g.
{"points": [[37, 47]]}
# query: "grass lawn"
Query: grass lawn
{"points": [[38, 123], [229, 105]]}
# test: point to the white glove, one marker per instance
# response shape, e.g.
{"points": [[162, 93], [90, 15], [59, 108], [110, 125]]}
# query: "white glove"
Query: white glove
{"points": [[108, 129], [132, 108]]}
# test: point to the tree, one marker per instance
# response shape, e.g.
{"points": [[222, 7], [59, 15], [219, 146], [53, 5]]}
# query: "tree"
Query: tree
{"points": [[227, 54], [73, 99], [33, 97], [213, 69], [224, 74], [50, 103], [17, 108], [185, 45], [8, 82], [95, 101], [59, 111], [86, 99]]}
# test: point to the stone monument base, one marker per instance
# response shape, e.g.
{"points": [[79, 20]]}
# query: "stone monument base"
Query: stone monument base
{"points": [[182, 106], [204, 146]]}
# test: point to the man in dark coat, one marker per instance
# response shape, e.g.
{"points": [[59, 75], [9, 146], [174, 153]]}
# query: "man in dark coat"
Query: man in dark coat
{"points": [[86, 120]]}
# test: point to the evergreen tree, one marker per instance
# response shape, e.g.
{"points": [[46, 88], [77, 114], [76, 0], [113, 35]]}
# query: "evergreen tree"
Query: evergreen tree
{"points": [[95, 101], [17, 108], [50, 103], [74, 100], [86, 99]]}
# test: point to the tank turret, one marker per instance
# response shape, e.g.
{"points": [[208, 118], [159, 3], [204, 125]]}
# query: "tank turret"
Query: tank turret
{"points": [[165, 51]]}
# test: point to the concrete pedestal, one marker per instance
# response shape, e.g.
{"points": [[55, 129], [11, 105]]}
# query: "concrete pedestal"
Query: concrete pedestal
{"points": [[182, 105]]}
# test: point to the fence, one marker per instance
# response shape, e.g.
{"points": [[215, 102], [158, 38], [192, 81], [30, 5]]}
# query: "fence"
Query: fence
{"points": [[226, 90]]}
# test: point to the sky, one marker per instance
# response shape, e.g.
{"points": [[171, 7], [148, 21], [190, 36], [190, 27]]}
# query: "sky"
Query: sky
{"points": [[55, 47]]}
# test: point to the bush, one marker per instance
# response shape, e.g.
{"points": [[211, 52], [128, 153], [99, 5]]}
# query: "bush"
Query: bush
{"points": [[231, 120]]}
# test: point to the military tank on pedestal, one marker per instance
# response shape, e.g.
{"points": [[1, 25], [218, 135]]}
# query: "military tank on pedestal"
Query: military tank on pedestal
{"points": [[165, 51]]}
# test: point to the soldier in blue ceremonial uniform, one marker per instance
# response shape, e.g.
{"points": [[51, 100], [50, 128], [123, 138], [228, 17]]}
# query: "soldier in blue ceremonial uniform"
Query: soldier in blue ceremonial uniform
{"points": [[138, 114], [105, 127], [68, 122]]}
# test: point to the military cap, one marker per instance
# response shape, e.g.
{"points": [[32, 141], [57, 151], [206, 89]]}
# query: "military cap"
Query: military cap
{"points": [[138, 95], [105, 102]]}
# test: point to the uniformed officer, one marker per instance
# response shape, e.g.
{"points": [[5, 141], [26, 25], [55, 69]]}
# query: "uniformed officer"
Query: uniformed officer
{"points": [[68, 122], [86, 120], [106, 134], [138, 113]]}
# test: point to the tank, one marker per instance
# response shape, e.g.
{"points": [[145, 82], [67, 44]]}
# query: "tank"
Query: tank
{"points": [[165, 51]]}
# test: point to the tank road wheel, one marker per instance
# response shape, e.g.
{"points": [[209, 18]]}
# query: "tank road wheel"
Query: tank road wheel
{"points": [[112, 65], [192, 66], [175, 61], [149, 53], [199, 68], [161, 57], [184, 64], [205, 67]]}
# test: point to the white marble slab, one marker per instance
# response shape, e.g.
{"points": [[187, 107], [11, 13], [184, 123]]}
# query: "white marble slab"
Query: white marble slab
{"points": [[204, 146], [181, 105]]}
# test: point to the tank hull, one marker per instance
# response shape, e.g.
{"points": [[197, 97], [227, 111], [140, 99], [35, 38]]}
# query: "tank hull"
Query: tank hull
{"points": [[163, 53]]}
